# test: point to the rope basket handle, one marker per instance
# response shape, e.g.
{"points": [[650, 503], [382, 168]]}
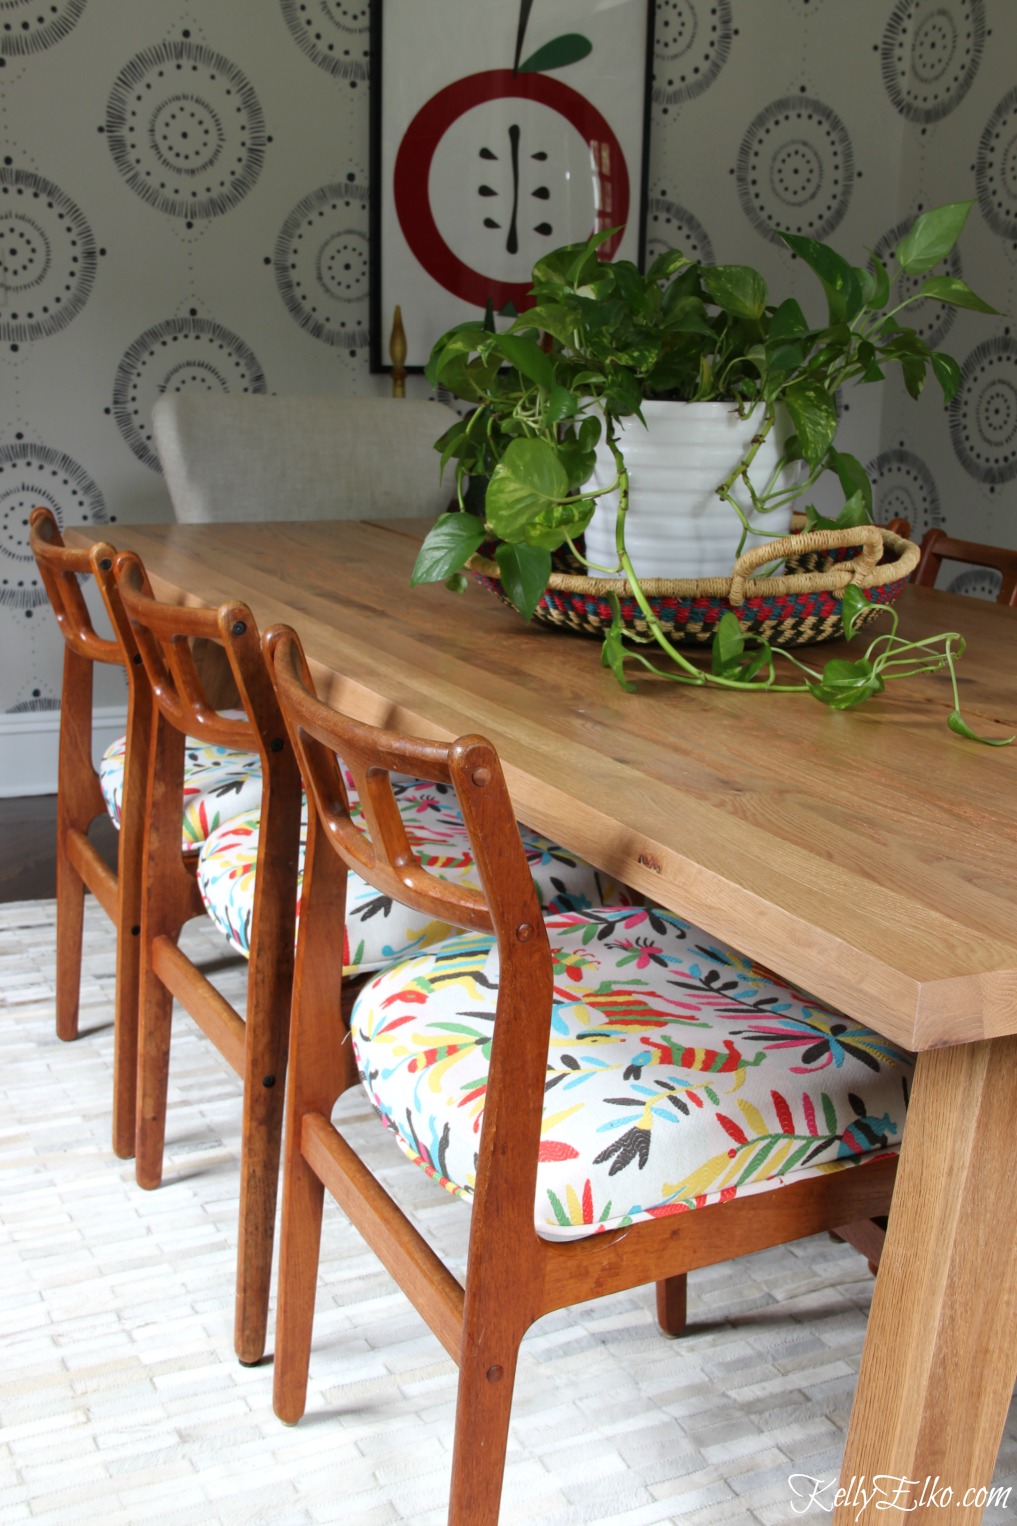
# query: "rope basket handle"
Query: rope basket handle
{"points": [[861, 569], [866, 569]]}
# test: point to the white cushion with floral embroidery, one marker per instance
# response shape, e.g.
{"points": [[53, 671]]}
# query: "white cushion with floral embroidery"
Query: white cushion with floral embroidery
{"points": [[678, 1073], [379, 931], [219, 783]]}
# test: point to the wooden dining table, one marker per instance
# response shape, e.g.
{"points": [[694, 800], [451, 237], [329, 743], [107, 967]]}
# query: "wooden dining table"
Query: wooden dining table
{"points": [[869, 856]]}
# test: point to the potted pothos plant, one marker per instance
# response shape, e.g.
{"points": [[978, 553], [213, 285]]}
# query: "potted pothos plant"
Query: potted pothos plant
{"points": [[560, 387]]}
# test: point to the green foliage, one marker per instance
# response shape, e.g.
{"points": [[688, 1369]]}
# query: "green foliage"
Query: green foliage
{"points": [[601, 338]]}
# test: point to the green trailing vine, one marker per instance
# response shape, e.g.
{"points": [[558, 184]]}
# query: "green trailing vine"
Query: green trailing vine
{"points": [[600, 339]]}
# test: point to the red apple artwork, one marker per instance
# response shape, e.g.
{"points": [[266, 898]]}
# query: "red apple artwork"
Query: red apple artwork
{"points": [[517, 203]]}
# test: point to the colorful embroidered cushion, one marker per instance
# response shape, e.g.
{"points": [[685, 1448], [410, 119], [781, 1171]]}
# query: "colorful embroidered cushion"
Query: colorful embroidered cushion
{"points": [[678, 1073], [219, 782], [380, 931]]}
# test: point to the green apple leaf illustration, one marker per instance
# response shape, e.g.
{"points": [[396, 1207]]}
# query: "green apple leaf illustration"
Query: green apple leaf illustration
{"points": [[567, 49]]}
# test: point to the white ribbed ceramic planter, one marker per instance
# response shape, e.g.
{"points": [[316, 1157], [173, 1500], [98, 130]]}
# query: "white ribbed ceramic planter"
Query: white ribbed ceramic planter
{"points": [[676, 526]]}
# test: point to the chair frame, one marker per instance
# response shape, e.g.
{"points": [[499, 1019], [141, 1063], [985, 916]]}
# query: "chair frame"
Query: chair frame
{"points": [[937, 546], [79, 865], [167, 637], [513, 1276]]}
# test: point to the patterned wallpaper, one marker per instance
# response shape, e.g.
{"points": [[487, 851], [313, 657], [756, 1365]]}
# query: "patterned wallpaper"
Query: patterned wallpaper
{"points": [[184, 202]]}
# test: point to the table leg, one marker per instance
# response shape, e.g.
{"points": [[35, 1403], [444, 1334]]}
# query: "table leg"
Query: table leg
{"points": [[940, 1353]]}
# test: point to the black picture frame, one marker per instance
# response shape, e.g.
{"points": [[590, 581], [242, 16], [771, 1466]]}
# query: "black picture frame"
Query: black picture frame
{"points": [[477, 170]]}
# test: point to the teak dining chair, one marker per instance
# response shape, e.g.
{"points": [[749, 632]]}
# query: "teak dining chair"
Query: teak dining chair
{"points": [[557, 1073], [210, 780], [254, 1046], [938, 547], [79, 864]]}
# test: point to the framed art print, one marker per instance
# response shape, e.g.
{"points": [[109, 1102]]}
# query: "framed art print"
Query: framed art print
{"points": [[500, 129]]}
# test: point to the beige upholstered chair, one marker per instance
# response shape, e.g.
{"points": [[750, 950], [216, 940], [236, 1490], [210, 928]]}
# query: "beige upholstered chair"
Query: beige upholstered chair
{"points": [[231, 456]]}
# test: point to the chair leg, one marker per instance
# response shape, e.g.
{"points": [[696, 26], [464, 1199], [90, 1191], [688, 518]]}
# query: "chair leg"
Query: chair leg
{"points": [[154, 1027], [299, 1251], [70, 912], [672, 1301], [487, 1374], [264, 1097], [125, 1039]]}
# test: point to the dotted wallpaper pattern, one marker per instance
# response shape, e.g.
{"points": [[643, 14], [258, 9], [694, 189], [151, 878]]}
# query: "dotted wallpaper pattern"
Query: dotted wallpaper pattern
{"points": [[184, 203]]}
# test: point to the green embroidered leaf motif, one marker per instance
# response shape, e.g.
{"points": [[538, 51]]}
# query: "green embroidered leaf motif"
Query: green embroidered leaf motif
{"points": [[569, 48], [829, 1115]]}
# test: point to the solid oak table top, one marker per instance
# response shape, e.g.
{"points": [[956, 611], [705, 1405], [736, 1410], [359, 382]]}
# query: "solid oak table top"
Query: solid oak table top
{"points": [[870, 856]]}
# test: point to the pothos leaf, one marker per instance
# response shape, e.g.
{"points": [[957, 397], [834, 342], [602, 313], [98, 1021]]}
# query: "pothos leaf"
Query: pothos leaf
{"points": [[450, 542], [612, 653], [845, 684], [528, 479], [956, 722], [931, 237], [524, 574], [853, 605], [728, 644]]}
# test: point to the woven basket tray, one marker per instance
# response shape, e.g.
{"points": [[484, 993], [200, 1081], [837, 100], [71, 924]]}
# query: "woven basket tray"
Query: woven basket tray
{"points": [[800, 607]]}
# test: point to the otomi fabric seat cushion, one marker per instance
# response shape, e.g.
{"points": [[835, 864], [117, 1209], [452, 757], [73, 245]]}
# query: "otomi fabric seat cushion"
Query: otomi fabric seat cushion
{"points": [[219, 782], [678, 1074], [380, 931]]}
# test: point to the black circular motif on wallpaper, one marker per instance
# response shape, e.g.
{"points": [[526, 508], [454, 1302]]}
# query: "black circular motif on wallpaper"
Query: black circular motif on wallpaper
{"points": [[977, 583], [983, 415], [930, 55], [795, 169], [691, 43], [322, 267], [178, 355], [32, 475], [996, 168], [47, 257], [903, 487], [931, 320], [334, 33], [669, 226], [186, 130], [28, 27]]}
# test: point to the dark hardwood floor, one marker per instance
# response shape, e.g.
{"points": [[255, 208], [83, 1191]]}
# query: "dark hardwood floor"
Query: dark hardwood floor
{"points": [[27, 856]]}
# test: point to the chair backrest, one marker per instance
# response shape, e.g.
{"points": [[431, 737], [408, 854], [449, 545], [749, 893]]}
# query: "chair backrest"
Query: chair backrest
{"points": [[169, 639], [60, 569], [938, 547], [235, 456], [382, 853]]}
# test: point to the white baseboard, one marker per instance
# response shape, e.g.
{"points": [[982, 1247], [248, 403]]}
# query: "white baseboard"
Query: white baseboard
{"points": [[29, 747]]}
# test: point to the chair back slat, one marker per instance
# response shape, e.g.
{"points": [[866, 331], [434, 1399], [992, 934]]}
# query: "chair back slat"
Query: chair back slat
{"points": [[61, 570], [380, 850], [165, 635]]}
